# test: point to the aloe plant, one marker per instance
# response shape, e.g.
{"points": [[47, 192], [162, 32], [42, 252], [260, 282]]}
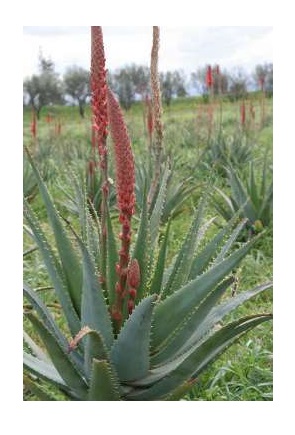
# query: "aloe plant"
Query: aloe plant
{"points": [[225, 150], [251, 193], [132, 323], [169, 337]]}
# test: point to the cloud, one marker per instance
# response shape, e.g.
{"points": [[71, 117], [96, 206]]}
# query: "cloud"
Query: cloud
{"points": [[185, 48]]}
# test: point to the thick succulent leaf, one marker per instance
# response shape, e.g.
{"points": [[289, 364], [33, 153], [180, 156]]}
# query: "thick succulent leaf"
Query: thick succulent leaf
{"points": [[219, 312], [130, 352], [155, 218], [142, 246], [229, 243], [172, 312], [103, 385], [112, 259], [157, 280], [94, 311], [60, 358], [171, 349], [95, 348], [241, 196], [211, 249], [43, 369], [71, 266], [196, 360], [252, 187], [177, 195], [229, 209], [35, 348], [55, 272], [44, 313], [184, 260]]}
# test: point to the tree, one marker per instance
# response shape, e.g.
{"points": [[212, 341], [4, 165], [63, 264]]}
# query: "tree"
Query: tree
{"points": [[263, 77], [77, 86], [238, 84], [124, 87], [172, 85], [141, 79], [45, 88]]}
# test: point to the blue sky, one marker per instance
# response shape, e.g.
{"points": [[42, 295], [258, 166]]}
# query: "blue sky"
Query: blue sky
{"points": [[185, 48]]}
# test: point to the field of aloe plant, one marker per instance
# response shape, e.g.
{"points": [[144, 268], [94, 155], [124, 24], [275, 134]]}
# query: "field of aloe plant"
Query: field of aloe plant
{"points": [[148, 248]]}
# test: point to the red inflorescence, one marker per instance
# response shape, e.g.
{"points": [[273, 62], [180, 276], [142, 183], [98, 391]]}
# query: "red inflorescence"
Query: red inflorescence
{"points": [[209, 77], [34, 124], [125, 172], [98, 92]]}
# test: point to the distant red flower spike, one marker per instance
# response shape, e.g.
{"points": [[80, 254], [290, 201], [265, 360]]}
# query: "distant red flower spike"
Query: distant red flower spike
{"points": [[34, 124], [209, 77]]}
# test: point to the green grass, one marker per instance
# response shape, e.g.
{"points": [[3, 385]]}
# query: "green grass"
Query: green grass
{"points": [[243, 372]]}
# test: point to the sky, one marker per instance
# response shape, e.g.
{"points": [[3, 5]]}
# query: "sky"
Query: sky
{"points": [[182, 48]]}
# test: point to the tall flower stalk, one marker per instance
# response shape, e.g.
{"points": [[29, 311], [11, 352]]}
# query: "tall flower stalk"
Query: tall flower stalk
{"points": [[157, 110], [99, 126], [125, 186]]}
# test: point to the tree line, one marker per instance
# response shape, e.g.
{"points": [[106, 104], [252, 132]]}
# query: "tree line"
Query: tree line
{"points": [[132, 83]]}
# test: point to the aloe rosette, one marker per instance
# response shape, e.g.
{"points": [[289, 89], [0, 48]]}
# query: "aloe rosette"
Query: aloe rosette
{"points": [[169, 338]]}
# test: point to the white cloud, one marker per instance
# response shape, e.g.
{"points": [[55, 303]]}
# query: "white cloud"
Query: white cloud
{"points": [[184, 48]]}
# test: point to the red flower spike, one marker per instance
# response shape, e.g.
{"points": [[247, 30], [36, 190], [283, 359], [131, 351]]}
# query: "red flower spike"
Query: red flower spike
{"points": [[98, 91], [125, 172], [209, 77]]}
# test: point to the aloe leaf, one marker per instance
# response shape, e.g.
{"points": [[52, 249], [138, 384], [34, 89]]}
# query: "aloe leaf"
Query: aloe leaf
{"points": [[95, 348], [228, 202], [177, 195], [240, 196], [94, 311], [157, 280], [55, 274], [49, 322], [155, 218], [67, 254], [183, 301], [197, 359], [171, 349], [142, 246], [130, 352], [60, 358], [184, 260], [252, 186], [43, 369], [204, 257], [44, 313], [37, 350], [103, 384], [233, 237], [220, 311], [112, 259]]}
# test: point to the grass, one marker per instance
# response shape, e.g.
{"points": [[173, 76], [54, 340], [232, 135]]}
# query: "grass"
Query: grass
{"points": [[243, 372]]}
